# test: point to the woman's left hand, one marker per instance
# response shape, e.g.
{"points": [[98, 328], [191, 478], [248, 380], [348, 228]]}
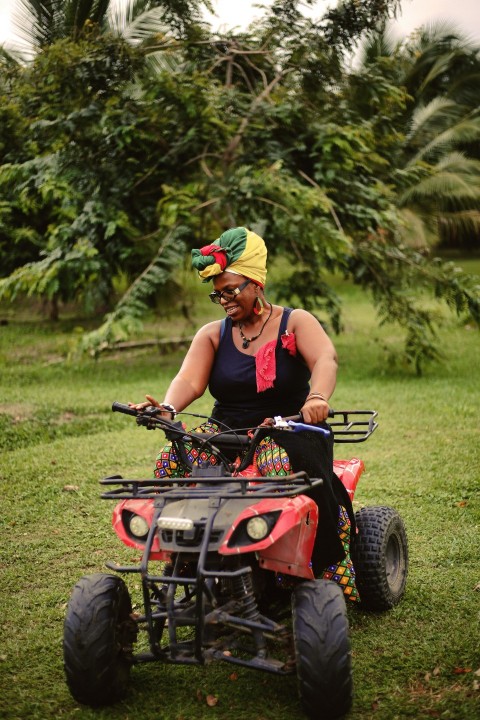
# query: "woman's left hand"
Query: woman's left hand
{"points": [[315, 410]]}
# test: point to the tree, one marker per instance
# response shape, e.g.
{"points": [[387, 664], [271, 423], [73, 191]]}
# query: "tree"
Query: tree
{"points": [[254, 128], [40, 23], [436, 171]]}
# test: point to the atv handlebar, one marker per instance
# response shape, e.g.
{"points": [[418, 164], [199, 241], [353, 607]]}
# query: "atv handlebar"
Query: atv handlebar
{"points": [[353, 426], [126, 409]]}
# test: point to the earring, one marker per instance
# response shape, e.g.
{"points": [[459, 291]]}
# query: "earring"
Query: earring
{"points": [[258, 306]]}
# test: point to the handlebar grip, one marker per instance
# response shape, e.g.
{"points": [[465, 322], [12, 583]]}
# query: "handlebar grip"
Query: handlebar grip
{"points": [[299, 417], [126, 409]]}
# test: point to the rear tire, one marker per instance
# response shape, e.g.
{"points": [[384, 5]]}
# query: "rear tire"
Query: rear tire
{"points": [[379, 554], [322, 649], [98, 639]]}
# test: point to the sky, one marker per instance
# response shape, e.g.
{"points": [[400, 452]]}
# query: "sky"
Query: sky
{"points": [[238, 13], [463, 13]]}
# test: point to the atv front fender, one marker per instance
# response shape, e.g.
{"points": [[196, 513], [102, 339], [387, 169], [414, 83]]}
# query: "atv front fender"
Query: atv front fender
{"points": [[288, 548]]}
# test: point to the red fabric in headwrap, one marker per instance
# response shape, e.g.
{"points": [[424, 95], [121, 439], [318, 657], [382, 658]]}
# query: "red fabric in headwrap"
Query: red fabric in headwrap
{"points": [[217, 252]]}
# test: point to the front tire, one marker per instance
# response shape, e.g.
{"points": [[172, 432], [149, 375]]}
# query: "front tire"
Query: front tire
{"points": [[98, 639], [380, 557], [322, 649]]}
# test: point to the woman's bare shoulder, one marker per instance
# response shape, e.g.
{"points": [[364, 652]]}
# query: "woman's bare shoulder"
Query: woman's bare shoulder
{"points": [[299, 316], [210, 331]]}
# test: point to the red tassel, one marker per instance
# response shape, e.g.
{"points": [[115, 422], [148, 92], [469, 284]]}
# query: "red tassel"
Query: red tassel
{"points": [[289, 343]]}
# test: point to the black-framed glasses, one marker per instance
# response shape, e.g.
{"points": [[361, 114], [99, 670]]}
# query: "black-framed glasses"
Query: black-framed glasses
{"points": [[217, 297]]}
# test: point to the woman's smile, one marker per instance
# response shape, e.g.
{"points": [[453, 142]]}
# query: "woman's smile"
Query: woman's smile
{"points": [[231, 309]]}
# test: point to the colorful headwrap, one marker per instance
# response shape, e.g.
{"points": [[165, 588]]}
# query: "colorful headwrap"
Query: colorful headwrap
{"points": [[237, 250]]}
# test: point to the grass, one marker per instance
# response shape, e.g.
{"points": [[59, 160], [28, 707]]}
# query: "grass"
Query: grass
{"points": [[58, 437]]}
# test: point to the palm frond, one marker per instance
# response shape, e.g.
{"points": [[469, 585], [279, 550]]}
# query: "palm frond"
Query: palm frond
{"points": [[466, 130], [434, 112], [447, 183], [138, 28]]}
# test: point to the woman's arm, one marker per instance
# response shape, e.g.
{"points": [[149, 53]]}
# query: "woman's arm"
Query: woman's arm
{"points": [[191, 381], [320, 355]]}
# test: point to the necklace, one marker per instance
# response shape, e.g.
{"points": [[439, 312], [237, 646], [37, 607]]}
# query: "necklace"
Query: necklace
{"points": [[246, 341]]}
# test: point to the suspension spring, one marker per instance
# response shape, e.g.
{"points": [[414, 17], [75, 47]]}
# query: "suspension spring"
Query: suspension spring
{"points": [[243, 591]]}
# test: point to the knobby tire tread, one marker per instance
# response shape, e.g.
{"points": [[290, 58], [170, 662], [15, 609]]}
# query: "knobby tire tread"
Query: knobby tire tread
{"points": [[377, 526], [322, 650], [97, 631]]}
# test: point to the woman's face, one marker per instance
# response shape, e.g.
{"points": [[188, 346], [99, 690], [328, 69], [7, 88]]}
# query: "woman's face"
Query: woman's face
{"points": [[237, 306]]}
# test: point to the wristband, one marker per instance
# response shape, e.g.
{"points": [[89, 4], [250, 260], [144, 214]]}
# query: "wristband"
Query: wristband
{"points": [[168, 407]]}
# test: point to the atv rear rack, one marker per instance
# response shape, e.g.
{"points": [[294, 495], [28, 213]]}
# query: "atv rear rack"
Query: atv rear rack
{"points": [[355, 425]]}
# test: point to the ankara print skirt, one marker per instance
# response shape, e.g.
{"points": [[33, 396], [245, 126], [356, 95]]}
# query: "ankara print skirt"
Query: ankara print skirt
{"points": [[270, 459]]}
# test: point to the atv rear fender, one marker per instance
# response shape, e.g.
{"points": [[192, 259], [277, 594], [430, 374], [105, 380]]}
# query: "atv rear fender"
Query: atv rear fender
{"points": [[349, 471]]}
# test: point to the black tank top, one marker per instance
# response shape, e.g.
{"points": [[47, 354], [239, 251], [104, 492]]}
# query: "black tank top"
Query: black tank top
{"points": [[233, 383]]}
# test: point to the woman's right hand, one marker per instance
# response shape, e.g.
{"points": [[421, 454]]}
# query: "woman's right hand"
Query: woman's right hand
{"points": [[141, 406]]}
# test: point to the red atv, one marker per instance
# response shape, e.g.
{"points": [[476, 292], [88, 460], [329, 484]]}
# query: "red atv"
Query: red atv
{"points": [[226, 572]]}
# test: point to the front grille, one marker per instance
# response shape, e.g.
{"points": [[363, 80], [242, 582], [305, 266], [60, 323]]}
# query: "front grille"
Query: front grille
{"points": [[188, 538]]}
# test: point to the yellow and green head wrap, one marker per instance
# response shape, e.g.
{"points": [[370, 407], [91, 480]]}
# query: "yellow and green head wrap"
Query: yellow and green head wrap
{"points": [[237, 250]]}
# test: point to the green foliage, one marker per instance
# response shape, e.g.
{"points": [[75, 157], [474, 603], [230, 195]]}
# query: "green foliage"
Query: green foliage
{"points": [[434, 167], [115, 144], [125, 319]]}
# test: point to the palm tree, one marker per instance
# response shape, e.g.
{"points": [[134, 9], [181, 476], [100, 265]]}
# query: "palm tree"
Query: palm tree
{"points": [[38, 23], [436, 169]]}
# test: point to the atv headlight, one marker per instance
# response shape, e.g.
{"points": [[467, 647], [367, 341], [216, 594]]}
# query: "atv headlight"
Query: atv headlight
{"points": [[138, 526], [257, 528]]}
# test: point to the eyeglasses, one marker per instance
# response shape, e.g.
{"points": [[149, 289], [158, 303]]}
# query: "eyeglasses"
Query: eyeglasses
{"points": [[217, 297]]}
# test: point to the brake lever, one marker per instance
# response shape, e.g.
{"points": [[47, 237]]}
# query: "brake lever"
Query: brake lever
{"points": [[288, 424]]}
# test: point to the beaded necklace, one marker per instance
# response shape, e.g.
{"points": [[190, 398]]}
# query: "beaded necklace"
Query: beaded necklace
{"points": [[246, 341]]}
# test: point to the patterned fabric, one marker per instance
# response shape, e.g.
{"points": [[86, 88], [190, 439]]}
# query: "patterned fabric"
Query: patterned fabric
{"points": [[237, 250], [169, 465], [271, 459], [344, 573]]}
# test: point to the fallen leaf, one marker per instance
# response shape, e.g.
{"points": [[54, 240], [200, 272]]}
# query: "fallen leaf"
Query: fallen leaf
{"points": [[71, 488], [436, 671], [477, 672], [461, 671], [212, 700], [476, 685], [462, 503], [233, 676]]}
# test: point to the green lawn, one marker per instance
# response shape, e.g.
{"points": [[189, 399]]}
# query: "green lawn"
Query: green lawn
{"points": [[58, 437]]}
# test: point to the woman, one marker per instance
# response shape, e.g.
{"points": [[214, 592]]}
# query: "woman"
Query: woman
{"points": [[260, 361]]}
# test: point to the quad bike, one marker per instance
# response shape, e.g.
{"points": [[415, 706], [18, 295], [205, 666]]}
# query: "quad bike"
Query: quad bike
{"points": [[226, 572]]}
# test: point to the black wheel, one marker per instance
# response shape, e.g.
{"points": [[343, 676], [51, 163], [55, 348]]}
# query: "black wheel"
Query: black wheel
{"points": [[380, 557], [98, 639], [322, 649]]}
